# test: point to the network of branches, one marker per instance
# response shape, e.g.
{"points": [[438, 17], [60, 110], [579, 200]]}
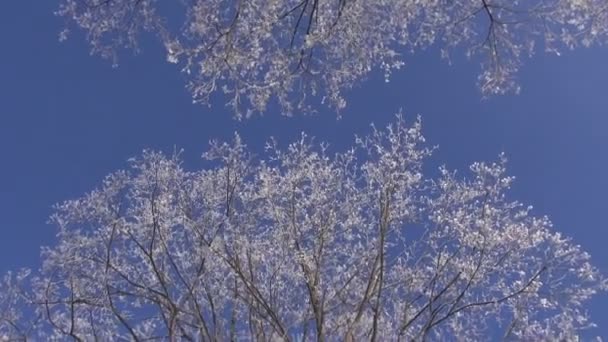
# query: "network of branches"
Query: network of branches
{"points": [[303, 245], [302, 52]]}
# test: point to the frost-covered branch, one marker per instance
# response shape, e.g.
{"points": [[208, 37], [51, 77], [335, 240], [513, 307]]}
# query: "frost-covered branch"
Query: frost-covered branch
{"points": [[307, 51], [303, 244]]}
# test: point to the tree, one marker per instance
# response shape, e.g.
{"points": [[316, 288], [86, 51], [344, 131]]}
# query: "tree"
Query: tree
{"points": [[301, 49], [302, 245]]}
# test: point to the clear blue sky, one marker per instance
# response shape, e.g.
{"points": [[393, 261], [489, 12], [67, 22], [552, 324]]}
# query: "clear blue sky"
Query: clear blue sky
{"points": [[67, 120]]}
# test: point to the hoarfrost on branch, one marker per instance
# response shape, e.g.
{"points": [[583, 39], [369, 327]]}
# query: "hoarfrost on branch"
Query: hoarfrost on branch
{"points": [[295, 50], [303, 244]]}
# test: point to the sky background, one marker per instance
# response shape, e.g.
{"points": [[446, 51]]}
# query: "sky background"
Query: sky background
{"points": [[68, 119]]}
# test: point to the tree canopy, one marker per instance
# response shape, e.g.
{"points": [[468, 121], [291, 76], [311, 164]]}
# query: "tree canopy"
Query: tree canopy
{"points": [[302, 52], [303, 244]]}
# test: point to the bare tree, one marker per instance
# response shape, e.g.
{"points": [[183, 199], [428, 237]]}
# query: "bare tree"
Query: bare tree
{"points": [[303, 245], [301, 49]]}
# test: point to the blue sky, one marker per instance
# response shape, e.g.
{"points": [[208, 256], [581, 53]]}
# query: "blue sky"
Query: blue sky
{"points": [[67, 120]]}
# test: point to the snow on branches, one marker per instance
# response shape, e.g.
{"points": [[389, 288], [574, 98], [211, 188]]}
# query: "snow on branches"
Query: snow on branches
{"points": [[296, 50], [303, 244]]}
